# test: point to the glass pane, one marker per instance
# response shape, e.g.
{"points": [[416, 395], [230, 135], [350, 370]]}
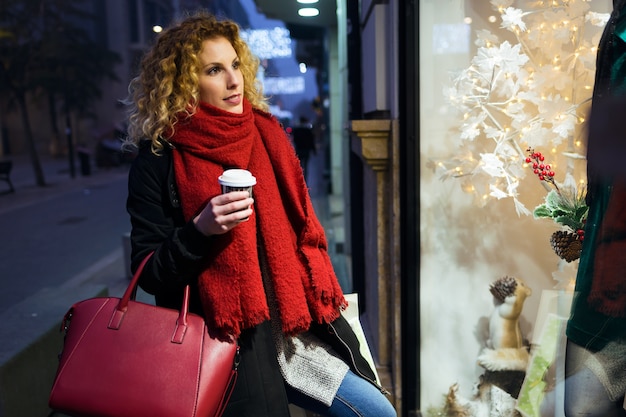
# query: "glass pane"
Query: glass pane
{"points": [[496, 78]]}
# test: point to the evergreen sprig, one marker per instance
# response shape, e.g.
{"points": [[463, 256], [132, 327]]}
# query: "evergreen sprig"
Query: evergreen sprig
{"points": [[567, 209]]}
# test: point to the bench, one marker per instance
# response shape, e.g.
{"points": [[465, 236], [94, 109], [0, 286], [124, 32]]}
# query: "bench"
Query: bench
{"points": [[5, 174]]}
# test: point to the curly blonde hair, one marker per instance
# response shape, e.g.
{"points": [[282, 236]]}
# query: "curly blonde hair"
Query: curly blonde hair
{"points": [[167, 86]]}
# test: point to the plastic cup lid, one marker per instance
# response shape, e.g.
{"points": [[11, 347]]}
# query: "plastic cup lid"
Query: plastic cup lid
{"points": [[237, 178]]}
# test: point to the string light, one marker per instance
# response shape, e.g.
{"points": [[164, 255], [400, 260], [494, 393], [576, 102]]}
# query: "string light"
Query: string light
{"points": [[529, 92], [469, 188]]}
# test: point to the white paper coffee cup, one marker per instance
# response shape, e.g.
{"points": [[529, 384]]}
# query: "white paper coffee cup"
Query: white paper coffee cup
{"points": [[237, 180]]}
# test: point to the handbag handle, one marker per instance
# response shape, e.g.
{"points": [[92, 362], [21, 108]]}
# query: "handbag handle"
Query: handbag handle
{"points": [[122, 305]]}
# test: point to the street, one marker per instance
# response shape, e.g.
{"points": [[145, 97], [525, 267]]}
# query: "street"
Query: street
{"points": [[46, 243]]}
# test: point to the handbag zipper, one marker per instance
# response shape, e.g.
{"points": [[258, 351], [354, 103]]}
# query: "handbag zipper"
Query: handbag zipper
{"points": [[237, 359], [65, 325]]}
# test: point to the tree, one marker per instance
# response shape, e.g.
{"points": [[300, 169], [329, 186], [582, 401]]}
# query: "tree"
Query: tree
{"points": [[16, 60], [47, 54]]}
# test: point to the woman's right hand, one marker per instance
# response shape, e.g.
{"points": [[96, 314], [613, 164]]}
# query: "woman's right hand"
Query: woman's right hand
{"points": [[224, 212]]}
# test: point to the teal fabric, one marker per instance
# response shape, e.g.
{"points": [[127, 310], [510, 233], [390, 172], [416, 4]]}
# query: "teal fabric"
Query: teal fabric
{"points": [[587, 327]]}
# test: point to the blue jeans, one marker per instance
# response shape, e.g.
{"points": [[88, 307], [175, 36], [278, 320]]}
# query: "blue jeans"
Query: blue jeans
{"points": [[355, 398]]}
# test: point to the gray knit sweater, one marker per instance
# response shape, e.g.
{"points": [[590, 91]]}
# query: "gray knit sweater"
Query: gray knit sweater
{"points": [[306, 363]]}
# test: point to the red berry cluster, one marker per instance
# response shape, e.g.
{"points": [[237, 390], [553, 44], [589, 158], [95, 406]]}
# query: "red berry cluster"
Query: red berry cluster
{"points": [[540, 168], [581, 234]]}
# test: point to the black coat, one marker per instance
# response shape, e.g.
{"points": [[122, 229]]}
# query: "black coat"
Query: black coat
{"points": [[158, 225]]}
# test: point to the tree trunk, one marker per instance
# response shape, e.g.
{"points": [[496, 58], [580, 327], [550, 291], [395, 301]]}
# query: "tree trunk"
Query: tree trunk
{"points": [[34, 157], [55, 145]]}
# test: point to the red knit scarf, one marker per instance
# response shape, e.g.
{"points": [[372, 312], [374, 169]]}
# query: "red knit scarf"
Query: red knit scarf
{"points": [[231, 286], [608, 287]]}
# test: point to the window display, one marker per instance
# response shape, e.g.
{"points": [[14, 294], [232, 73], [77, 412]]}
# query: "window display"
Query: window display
{"points": [[505, 96]]}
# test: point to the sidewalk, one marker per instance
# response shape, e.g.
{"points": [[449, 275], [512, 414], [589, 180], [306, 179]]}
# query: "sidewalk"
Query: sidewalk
{"points": [[57, 176]]}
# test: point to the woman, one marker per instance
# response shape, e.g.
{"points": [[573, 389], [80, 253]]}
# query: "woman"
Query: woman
{"points": [[258, 268]]}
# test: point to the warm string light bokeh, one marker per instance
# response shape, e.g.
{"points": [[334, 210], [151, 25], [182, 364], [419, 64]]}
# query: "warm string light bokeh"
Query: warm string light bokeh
{"points": [[528, 85]]}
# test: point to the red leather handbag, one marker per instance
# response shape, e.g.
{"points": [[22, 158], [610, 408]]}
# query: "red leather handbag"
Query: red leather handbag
{"points": [[124, 358]]}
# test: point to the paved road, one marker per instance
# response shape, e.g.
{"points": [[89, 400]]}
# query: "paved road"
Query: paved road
{"points": [[47, 242]]}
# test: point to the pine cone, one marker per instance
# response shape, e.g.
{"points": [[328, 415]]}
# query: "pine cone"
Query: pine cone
{"points": [[503, 287], [566, 245]]}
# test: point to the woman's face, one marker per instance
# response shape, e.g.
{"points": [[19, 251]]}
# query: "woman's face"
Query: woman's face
{"points": [[221, 80]]}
